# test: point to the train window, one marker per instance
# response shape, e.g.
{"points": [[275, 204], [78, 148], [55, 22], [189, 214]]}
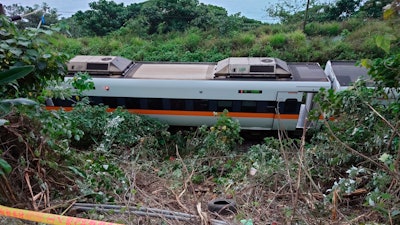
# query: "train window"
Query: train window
{"points": [[95, 100], [132, 103], [166, 104], [266, 106], [111, 102], [177, 104], [189, 104], [200, 105], [236, 106], [155, 103], [248, 106], [212, 105], [290, 106], [143, 103], [63, 102], [224, 104]]}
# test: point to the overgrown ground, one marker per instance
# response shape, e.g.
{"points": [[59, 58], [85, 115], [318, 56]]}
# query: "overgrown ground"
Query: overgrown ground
{"points": [[128, 160]]}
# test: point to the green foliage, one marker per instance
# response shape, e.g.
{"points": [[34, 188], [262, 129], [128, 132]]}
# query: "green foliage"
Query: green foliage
{"points": [[82, 82], [7, 77], [385, 70], [221, 138], [162, 16], [325, 29], [5, 168], [343, 9], [278, 40], [288, 11], [243, 40], [119, 128], [12, 74], [23, 48], [192, 41], [266, 159], [373, 9], [60, 89], [103, 17], [102, 179], [154, 17], [297, 38], [362, 129]]}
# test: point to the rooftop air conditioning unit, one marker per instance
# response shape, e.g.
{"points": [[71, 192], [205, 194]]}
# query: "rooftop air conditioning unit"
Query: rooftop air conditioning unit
{"points": [[252, 66]]}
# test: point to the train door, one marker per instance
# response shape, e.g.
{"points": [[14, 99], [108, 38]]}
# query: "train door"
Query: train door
{"points": [[287, 110]]}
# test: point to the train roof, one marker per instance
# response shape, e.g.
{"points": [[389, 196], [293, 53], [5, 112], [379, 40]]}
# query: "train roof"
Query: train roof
{"points": [[249, 68], [345, 73]]}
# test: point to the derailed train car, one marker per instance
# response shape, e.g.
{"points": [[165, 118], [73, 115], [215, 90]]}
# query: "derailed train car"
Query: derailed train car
{"points": [[261, 93]]}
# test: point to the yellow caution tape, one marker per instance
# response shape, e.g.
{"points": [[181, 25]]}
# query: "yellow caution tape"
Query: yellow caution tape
{"points": [[47, 217]]}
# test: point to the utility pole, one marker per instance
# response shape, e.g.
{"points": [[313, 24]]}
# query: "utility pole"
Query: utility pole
{"points": [[306, 16]]}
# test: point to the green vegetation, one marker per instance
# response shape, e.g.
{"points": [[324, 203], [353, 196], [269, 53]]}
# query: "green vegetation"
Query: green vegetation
{"points": [[345, 172]]}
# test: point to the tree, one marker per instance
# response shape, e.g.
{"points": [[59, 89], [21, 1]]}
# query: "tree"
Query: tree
{"points": [[374, 9], [103, 17], [209, 16], [294, 11], [164, 16], [343, 9]]}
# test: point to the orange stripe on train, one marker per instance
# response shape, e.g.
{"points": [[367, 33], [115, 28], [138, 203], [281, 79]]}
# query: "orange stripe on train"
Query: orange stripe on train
{"points": [[196, 113]]}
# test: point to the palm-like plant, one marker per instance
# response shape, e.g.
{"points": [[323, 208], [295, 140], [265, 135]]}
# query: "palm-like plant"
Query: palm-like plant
{"points": [[6, 77]]}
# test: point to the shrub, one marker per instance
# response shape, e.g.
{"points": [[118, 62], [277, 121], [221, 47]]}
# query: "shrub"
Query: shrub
{"points": [[192, 41], [243, 40], [278, 40], [324, 29]]}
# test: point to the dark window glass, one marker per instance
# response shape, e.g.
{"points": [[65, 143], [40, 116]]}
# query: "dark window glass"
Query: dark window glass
{"points": [[212, 105], [132, 103], [95, 100], [62, 102], [266, 107], [155, 103], [248, 106], [271, 107], [111, 102], [166, 104], [224, 104], [177, 104], [200, 105], [236, 106], [290, 106], [189, 105], [143, 103]]}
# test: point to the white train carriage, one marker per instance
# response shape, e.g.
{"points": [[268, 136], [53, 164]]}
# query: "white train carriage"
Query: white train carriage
{"points": [[262, 93], [343, 74]]}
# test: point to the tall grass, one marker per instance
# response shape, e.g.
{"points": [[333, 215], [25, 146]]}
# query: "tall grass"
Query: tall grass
{"points": [[323, 29]]}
